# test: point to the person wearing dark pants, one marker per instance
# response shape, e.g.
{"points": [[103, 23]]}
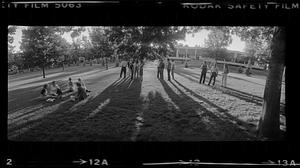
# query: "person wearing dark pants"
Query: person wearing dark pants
{"points": [[158, 68], [81, 92], [131, 69], [169, 66], [214, 73], [141, 69], [123, 68], [203, 72], [162, 67], [172, 68]]}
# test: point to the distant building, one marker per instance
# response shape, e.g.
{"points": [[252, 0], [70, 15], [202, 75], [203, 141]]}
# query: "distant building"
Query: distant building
{"points": [[197, 53]]}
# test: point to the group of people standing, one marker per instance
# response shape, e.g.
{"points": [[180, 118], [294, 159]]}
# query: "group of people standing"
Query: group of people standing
{"points": [[214, 74], [135, 66], [170, 69]]}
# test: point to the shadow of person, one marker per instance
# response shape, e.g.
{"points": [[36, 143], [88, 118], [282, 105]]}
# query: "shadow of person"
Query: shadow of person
{"points": [[113, 121], [211, 125]]}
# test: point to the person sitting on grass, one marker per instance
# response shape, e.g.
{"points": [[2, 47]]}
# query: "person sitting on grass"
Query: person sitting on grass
{"points": [[83, 85], [55, 90], [44, 92], [45, 95], [71, 85], [81, 92]]}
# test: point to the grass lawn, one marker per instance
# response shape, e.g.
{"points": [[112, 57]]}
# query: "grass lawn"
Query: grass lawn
{"points": [[121, 109]]}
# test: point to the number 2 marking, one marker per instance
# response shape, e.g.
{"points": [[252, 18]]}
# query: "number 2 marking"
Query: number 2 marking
{"points": [[9, 162]]}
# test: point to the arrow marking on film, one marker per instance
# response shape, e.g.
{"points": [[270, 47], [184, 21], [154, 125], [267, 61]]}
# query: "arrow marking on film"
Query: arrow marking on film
{"points": [[81, 161]]}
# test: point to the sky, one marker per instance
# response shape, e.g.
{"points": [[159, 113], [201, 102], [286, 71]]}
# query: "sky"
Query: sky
{"points": [[198, 39], [190, 40]]}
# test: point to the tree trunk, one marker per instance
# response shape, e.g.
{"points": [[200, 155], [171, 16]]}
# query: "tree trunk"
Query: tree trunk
{"points": [[269, 123], [106, 63], [43, 71]]}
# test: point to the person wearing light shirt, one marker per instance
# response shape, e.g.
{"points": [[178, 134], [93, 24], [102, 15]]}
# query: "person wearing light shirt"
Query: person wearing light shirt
{"points": [[224, 75], [214, 73], [172, 68]]}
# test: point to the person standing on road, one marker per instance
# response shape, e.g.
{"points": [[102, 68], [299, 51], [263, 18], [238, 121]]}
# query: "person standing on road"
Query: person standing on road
{"points": [[131, 67], [136, 68], [224, 75], [172, 68], [123, 68], [162, 67], [203, 72], [169, 67], [214, 74], [141, 69], [158, 68]]}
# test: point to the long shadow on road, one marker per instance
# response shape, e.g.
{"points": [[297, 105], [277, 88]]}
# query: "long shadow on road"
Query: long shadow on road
{"points": [[163, 122], [232, 92], [195, 75], [204, 124], [108, 116]]}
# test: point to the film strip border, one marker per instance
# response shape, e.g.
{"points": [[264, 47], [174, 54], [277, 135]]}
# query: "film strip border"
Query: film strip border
{"points": [[205, 5]]}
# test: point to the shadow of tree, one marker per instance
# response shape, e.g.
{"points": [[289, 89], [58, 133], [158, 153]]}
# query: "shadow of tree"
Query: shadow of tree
{"points": [[163, 122], [238, 94], [233, 92], [195, 75], [200, 97], [220, 126], [246, 80], [112, 122], [243, 96]]}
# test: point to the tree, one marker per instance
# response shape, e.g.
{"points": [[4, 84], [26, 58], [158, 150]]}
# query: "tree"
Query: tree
{"points": [[102, 48], [269, 123], [145, 41], [217, 40], [40, 45], [11, 56], [272, 41]]}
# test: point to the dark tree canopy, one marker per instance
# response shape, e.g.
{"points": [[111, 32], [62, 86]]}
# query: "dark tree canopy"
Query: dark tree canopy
{"points": [[145, 41]]}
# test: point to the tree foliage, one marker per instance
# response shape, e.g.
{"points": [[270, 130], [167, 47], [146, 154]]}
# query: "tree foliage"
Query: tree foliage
{"points": [[41, 45], [11, 57], [273, 40], [217, 40], [258, 41], [101, 46], [145, 41]]}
